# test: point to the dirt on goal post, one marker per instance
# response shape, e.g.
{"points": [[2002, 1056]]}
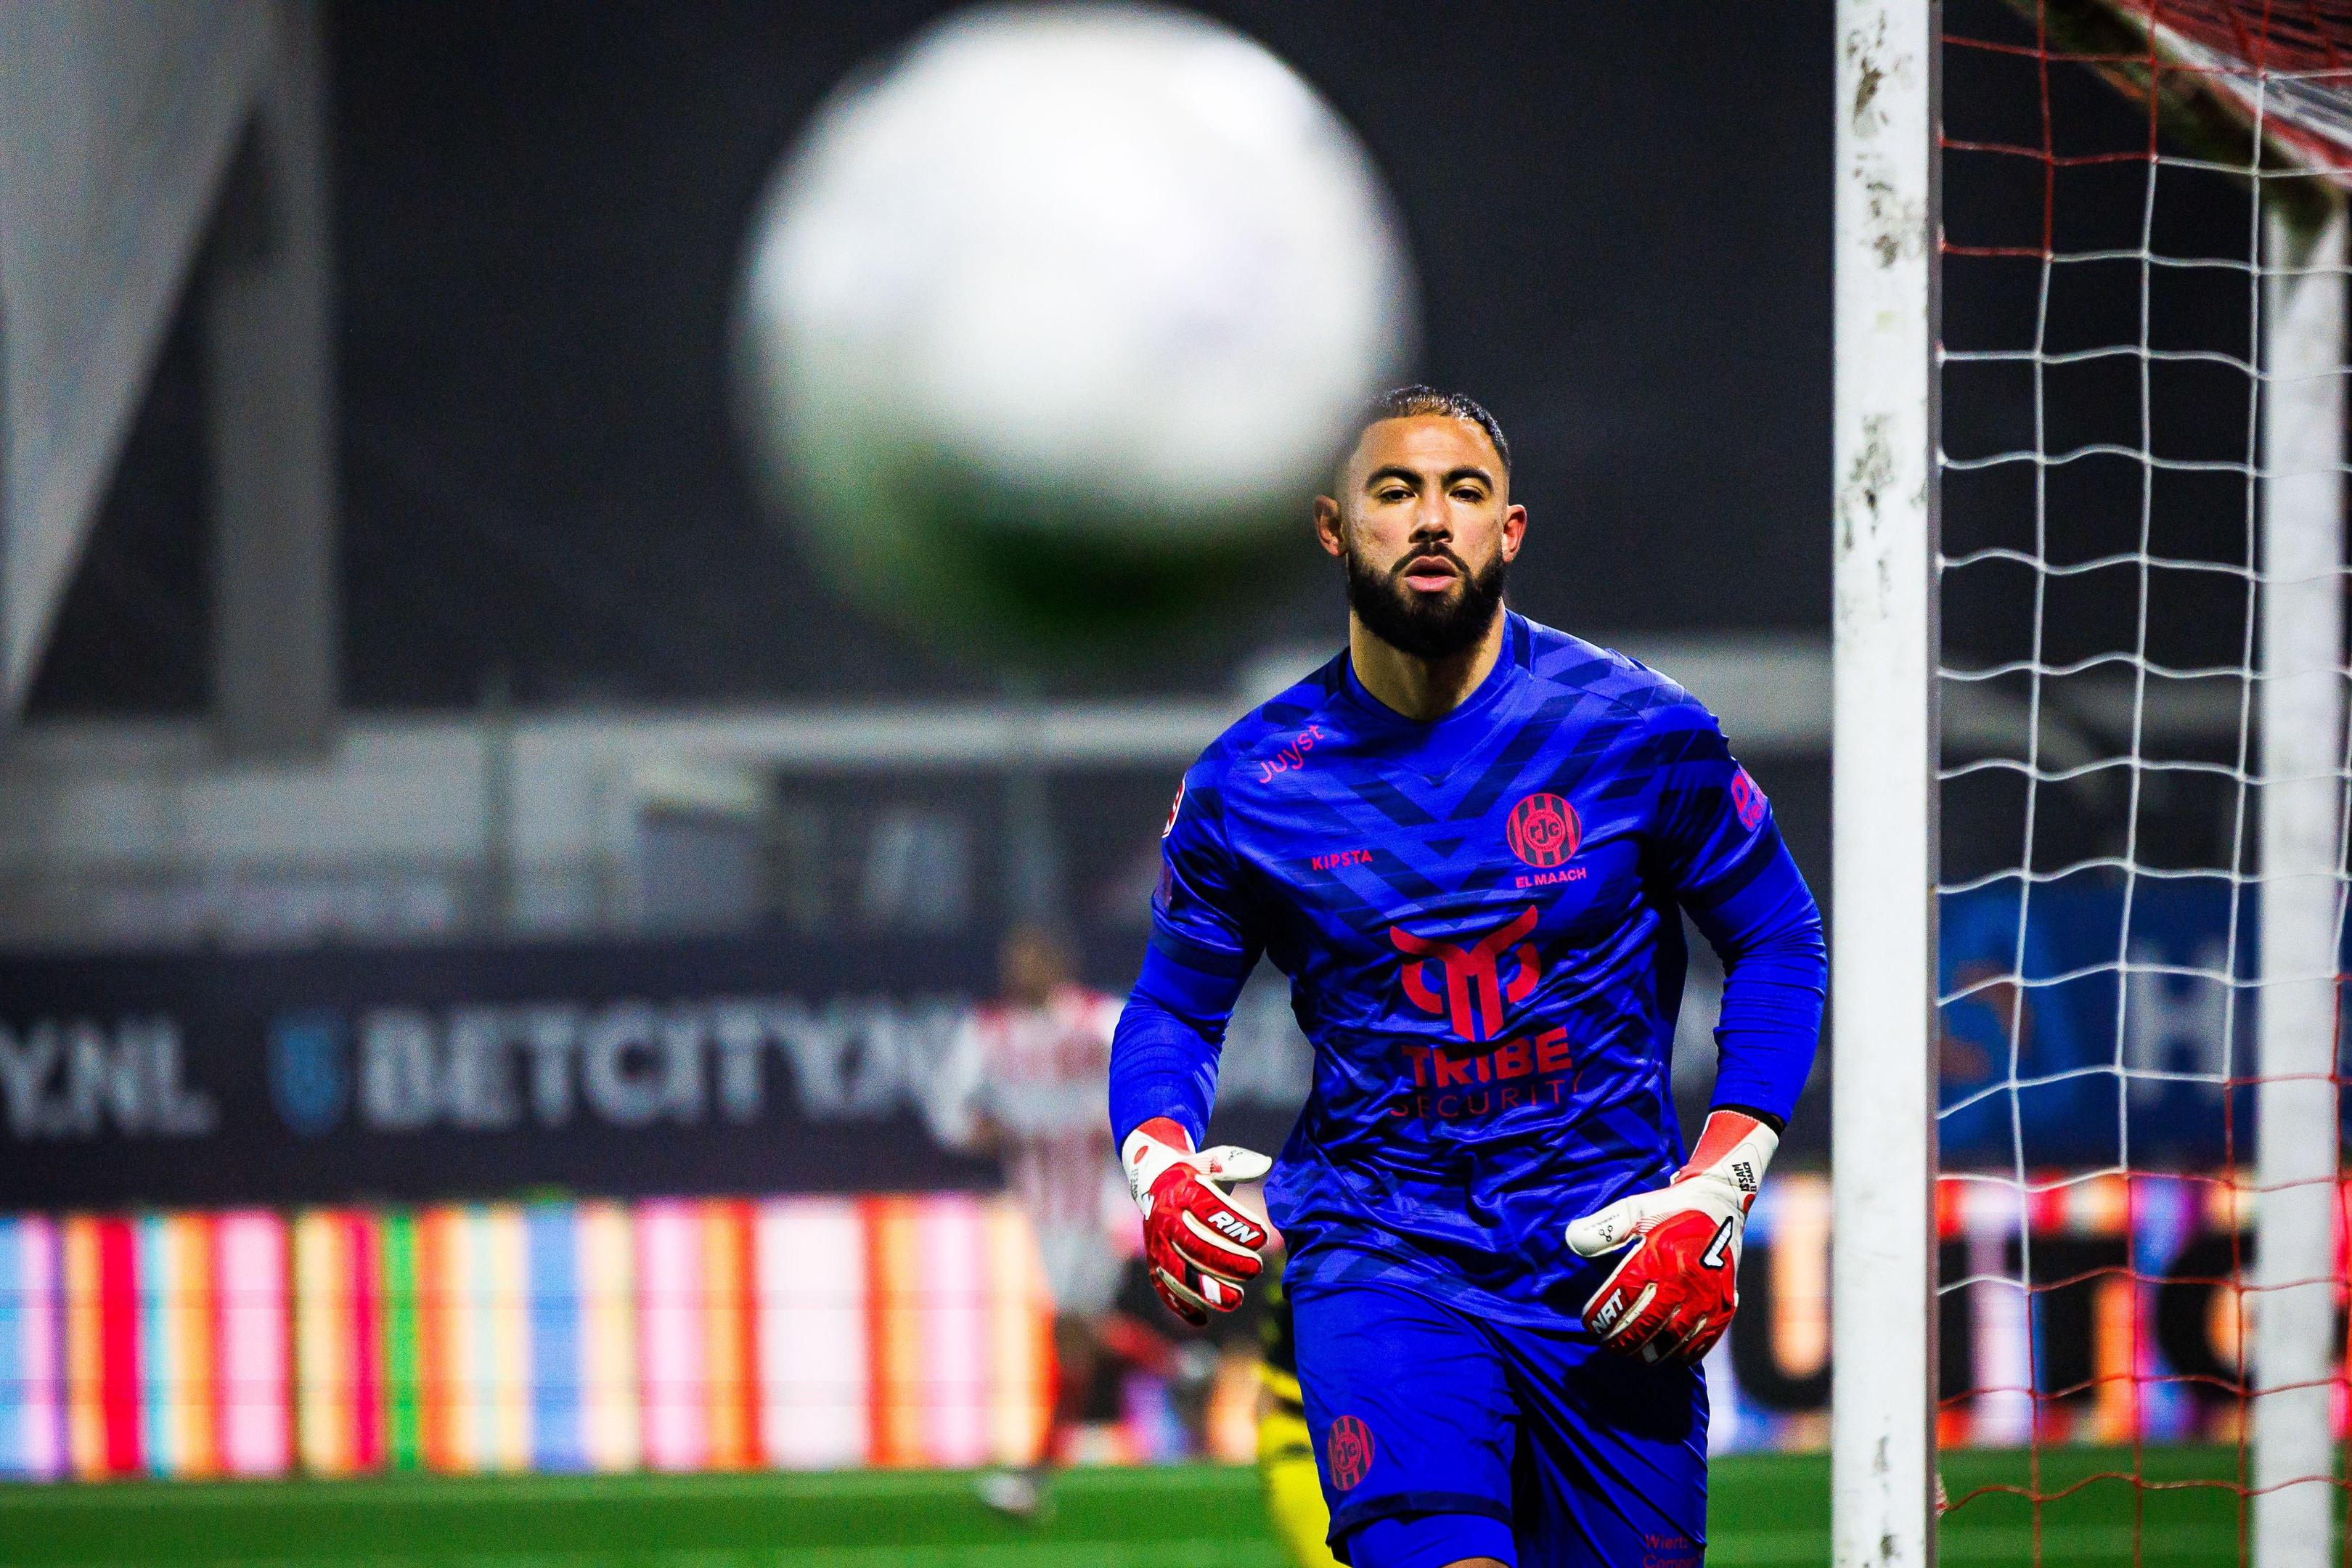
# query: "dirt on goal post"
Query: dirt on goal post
{"points": [[2136, 629]]}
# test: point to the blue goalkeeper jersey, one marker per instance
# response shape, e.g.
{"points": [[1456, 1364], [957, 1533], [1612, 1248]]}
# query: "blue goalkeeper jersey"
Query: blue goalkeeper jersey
{"points": [[1478, 916]]}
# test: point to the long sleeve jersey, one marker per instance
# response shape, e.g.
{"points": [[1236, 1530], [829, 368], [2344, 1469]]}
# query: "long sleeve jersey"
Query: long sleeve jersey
{"points": [[1481, 919]]}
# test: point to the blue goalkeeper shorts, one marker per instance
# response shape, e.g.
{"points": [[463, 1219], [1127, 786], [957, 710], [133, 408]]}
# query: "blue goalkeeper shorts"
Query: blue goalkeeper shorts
{"points": [[1441, 1435]]}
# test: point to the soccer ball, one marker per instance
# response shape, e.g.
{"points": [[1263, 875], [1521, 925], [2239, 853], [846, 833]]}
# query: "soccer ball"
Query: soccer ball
{"points": [[1050, 326]]}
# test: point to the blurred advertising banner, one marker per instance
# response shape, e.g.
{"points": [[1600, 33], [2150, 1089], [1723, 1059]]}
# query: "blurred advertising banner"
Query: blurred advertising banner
{"points": [[790, 1063], [614, 1070], [807, 1332], [670, 1334], [2090, 1309]]}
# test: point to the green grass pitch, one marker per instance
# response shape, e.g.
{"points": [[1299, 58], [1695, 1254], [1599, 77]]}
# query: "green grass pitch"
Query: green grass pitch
{"points": [[1767, 1509]]}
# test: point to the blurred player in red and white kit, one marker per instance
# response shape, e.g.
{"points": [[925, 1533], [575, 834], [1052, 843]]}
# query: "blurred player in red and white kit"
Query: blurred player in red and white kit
{"points": [[1026, 1082]]}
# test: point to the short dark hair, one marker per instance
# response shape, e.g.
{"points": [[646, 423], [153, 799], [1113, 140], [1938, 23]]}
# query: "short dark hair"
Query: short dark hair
{"points": [[1417, 401]]}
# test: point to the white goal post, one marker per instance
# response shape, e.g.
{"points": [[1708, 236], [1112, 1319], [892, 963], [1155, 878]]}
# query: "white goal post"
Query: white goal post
{"points": [[1883, 792], [2293, 752], [2301, 724]]}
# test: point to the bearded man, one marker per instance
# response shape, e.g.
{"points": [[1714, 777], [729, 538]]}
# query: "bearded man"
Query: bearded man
{"points": [[1470, 841]]}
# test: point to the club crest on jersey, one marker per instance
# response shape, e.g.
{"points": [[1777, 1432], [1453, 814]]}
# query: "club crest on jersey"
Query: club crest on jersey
{"points": [[1349, 1451], [1474, 988], [1543, 830]]}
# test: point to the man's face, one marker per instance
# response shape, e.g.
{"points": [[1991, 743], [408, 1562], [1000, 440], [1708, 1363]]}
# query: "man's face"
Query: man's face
{"points": [[1425, 525]]}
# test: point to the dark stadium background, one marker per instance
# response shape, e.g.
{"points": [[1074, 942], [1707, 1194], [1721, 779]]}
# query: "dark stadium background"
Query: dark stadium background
{"points": [[1619, 220], [540, 210], [538, 214]]}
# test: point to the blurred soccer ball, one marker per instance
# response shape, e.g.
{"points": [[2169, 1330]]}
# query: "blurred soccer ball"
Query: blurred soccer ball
{"points": [[1050, 328]]}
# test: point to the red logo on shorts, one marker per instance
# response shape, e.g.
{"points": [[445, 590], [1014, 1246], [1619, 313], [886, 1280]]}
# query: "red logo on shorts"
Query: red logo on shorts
{"points": [[1349, 1451], [1543, 830]]}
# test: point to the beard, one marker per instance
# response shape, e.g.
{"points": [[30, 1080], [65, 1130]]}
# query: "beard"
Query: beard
{"points": [[1414, 624]]}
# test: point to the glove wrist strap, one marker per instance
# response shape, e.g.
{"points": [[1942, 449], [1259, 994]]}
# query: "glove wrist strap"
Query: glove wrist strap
{"points": [[1734, 1149], [1144, 1158]]}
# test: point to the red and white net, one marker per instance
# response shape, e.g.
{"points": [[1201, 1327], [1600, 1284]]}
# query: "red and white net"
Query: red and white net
{"points": [[2141, 285], [2282, 65]]}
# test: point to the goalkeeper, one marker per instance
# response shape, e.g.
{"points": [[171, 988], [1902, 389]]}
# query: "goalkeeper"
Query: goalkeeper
{"points": [[1470, 841]]}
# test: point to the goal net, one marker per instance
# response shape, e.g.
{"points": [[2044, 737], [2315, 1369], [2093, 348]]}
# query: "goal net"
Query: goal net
{"points": [[2133, 614]]}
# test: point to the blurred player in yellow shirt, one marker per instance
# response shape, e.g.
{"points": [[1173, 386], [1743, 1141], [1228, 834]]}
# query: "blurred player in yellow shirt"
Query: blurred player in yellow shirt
{"points": [[1286, 1453]]}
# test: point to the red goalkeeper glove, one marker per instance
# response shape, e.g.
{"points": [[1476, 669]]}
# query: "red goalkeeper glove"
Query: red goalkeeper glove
{"points": [[1673, 1295], [1199, 1247]]}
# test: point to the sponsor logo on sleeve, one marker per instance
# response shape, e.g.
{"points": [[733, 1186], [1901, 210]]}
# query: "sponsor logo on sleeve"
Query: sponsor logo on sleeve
{"points": [[1746, 800]]}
